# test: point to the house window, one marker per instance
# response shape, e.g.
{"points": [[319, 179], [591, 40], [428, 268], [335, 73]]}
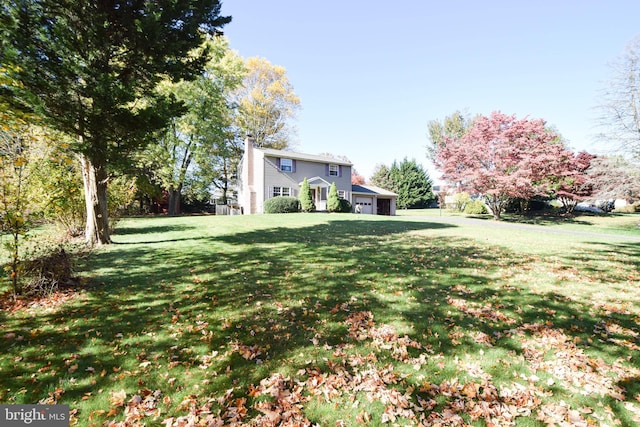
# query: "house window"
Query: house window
{"points": [[342, 194], [281, 191], [286, 165], [334, 170]]}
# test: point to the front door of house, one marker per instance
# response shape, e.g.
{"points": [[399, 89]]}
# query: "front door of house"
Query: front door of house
{"points": [[319, 195]]}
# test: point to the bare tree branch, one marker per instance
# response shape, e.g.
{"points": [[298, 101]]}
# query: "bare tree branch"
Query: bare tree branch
{"points": [[620, 107]]}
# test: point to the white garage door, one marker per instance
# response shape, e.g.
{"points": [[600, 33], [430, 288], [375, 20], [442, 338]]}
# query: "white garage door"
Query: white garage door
{"points": [[366, 204]]}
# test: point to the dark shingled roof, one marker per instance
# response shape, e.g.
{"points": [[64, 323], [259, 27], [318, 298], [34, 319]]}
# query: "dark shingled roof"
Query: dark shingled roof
{"points": [[371, 190]]}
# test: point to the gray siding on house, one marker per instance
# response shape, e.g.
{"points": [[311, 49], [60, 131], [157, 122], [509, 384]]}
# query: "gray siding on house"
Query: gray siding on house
{"points": [[273, 176], [260, 172]]}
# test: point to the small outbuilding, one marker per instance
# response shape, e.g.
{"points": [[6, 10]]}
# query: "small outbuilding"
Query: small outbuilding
{"points": [[372, 200]]}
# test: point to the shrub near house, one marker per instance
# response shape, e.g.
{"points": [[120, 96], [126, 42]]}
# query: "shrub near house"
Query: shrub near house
{"points": [[282, 204], [306, 197], [475, 207]]}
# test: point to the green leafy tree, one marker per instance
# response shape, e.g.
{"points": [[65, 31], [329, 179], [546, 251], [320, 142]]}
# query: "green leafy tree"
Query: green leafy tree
{"points": [[218, 164], [15, 212], [306, 198], [382, 177], [453, 126], [460, 200], [59, 176], [220, 167], [24, 149], [91, 70], [266, 104], [412, 183], [333, 201], [199, 147], [168, 160]]}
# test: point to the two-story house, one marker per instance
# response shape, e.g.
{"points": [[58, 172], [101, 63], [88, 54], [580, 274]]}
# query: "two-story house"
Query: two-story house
{"points": [[265, 173]]}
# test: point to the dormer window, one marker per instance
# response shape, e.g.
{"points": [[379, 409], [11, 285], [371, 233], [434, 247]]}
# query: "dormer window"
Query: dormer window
{"points": [[286, 165]]}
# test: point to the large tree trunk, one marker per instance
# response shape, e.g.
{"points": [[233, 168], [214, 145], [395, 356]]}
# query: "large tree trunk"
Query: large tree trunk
{"points": [[94, 178], [495, 204], [174, 200], [225, 191], [568, 204]]}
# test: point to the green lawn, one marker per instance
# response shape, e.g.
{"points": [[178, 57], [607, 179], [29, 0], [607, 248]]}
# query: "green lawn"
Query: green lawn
{"points": [[340, 319], [625, 224]]}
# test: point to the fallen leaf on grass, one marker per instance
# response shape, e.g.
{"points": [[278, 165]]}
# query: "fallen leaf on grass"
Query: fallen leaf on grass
{"points": [[247, 352], [117, 398]]}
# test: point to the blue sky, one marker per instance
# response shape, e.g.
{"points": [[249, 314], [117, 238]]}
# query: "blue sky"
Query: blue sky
{"points": [[372, 74]]}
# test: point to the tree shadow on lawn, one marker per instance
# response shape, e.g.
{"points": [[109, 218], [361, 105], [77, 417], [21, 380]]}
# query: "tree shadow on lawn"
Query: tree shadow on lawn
{"points": [[127, 301], [602, 254], [609, 263], [535, 219], [207, 315], [169, 228], [541, 218], [544, 219], [159, 231], [85, 346]]}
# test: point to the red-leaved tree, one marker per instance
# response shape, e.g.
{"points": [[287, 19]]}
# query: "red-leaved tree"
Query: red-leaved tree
{"points": [[501, 158], [570, 182], [356, 178]]}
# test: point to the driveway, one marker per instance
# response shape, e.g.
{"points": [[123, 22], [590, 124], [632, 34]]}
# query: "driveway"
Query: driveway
{"points": [[538, 228]]}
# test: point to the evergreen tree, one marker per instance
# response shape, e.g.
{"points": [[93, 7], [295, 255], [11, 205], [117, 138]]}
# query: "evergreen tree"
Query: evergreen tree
{"points": [[382, 177], [333, 201], [412, 184], [91, 69], [306, 198]]}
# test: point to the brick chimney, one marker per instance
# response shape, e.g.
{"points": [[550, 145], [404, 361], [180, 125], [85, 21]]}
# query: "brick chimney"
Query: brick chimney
{"points": [[249, 143]]}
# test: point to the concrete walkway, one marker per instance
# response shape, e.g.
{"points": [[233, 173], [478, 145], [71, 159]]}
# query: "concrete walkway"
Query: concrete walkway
{"points": [[538, 228]]}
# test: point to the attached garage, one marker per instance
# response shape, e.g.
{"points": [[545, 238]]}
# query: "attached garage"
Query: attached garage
{"points": [[368, 199], [365, 204]]}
